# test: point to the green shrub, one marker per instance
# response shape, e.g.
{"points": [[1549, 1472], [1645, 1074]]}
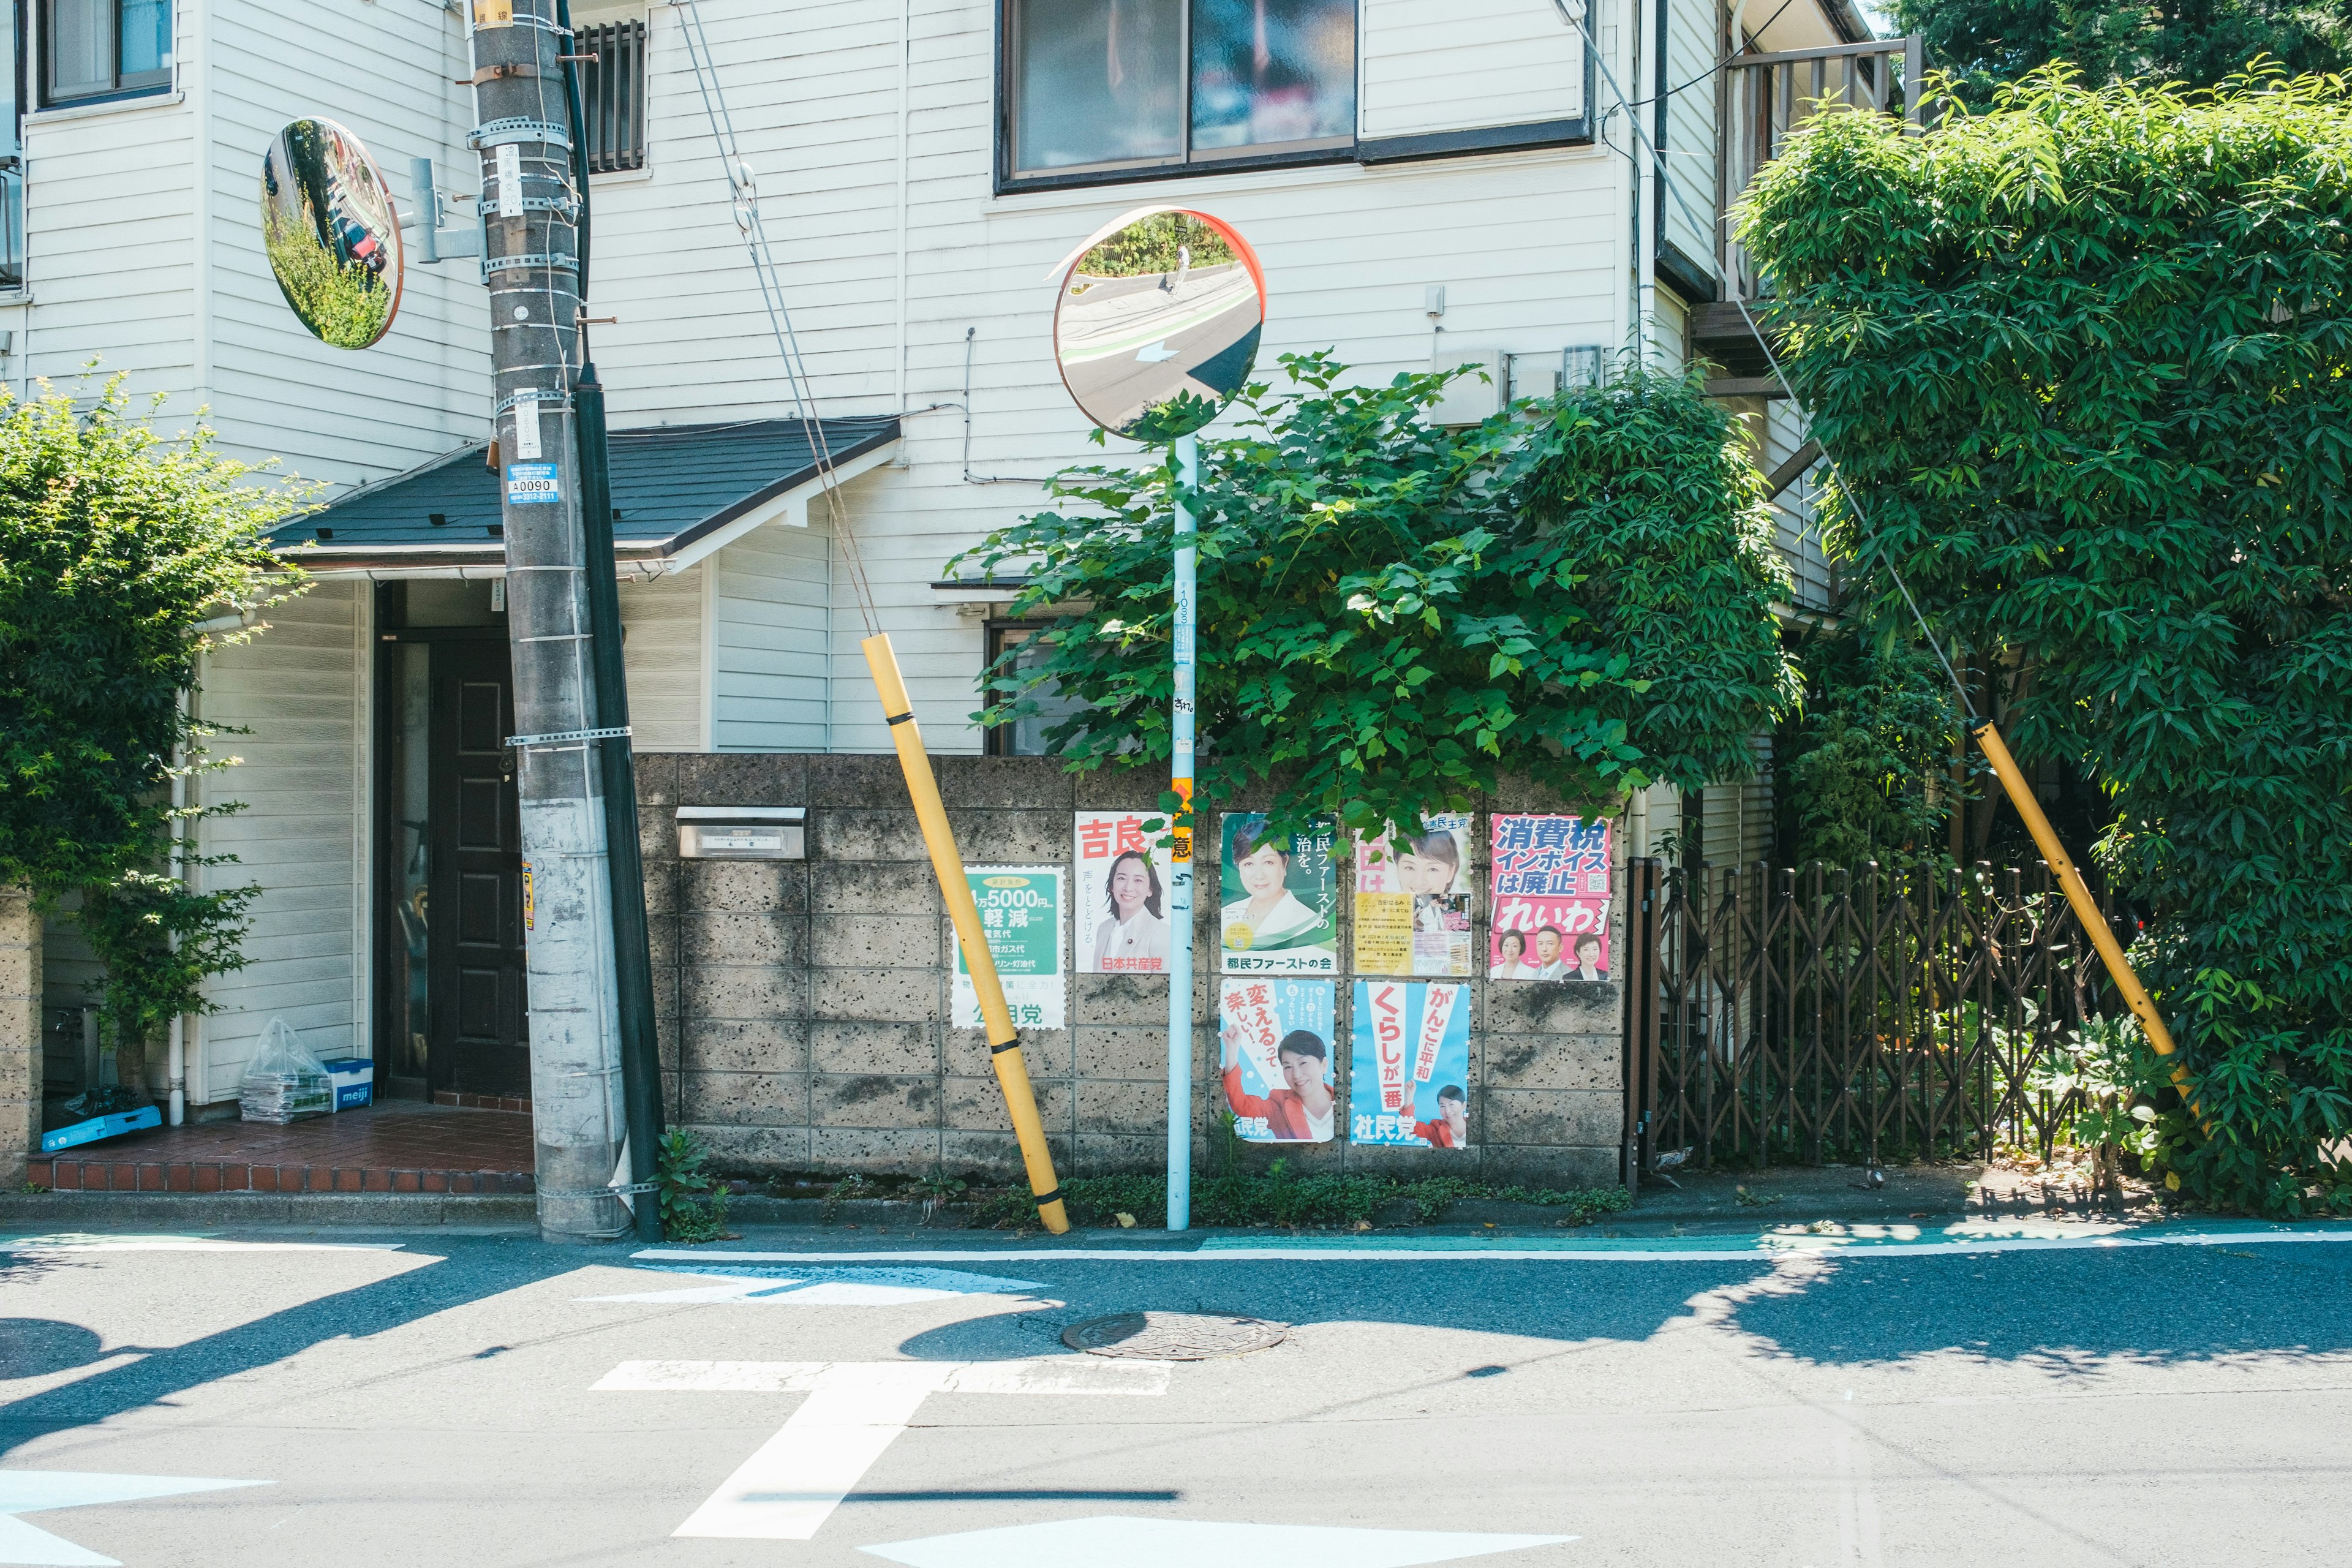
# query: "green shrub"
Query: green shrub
{"points": [[693, 1202], [2087, 362]]}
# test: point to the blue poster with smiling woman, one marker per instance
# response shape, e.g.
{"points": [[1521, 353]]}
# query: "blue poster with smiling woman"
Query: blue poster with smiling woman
{"points": [[1410, 1086]]}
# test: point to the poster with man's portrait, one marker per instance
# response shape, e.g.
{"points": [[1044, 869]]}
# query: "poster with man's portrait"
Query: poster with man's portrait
{"points": [[1275, 1053], [1408, 1081], [1413, 899], [1278, 899], [1119, 884], [1551, 900]]}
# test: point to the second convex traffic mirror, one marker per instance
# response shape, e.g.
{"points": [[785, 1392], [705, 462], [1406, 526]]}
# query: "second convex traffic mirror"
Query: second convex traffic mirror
{"points": [[1156, 328], [331, 234]]}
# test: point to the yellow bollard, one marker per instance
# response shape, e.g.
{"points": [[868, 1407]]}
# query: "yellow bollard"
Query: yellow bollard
{"points": [[2078, 894], [1003, 1040]]}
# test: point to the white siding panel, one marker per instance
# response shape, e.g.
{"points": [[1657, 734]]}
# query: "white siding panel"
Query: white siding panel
{"points": [[661, 622], [1464, 65], [772, 632], [299, 691], [1694, 30]]}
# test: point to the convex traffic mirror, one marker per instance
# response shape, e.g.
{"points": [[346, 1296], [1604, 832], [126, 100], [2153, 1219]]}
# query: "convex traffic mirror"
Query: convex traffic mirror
{"points": [[1156, 328], [331, 233]]}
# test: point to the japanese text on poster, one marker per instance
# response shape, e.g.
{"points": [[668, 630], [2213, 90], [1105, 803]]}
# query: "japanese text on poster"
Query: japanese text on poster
{"points": [[1413, 900], [1551, 900], [1119, 883], [1409, 1083], [1278, 899], [1021, 915], [1276, 1053]]}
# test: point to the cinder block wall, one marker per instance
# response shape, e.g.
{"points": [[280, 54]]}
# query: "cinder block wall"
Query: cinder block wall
{"points": [[804, 1004]]}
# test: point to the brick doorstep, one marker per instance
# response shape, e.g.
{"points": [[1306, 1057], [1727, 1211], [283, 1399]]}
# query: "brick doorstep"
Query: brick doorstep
{"points": [[62, 1174]]}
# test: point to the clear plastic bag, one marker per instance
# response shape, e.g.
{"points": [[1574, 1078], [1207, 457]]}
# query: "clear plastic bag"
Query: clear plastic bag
{"points": [[284, 1082]]}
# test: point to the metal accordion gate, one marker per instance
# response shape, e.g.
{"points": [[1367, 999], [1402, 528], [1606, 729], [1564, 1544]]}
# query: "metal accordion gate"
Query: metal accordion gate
{"points": [[1876, 1013]]}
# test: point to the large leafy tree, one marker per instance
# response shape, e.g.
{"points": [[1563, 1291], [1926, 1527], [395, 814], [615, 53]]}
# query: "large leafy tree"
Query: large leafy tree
{"points": [[1393, 614], [2085, 363], [2197, 43], [115, 546]]}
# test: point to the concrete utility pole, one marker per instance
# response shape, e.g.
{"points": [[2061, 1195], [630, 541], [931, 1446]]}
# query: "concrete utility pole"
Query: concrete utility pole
{"points": [[532, 211]]}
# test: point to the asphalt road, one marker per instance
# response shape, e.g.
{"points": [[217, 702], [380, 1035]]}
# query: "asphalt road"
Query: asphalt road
{"points": [[468, 1399]]}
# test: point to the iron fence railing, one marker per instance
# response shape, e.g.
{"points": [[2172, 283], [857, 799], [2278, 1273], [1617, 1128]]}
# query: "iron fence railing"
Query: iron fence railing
{"points": [[1876, 1013], [613, 90]]}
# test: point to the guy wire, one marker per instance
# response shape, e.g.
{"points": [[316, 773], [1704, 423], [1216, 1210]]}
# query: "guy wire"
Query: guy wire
{"points": [[741, 182]]}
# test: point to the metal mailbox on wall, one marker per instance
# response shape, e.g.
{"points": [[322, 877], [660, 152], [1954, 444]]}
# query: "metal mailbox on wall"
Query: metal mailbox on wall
{"points": [[743, 833]]}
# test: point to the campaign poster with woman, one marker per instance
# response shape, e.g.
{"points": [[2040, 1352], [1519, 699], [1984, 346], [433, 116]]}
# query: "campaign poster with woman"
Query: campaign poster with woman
{"points": [[1278, 899], [1121, 878], [1274, 1052], [1413, 899], [1551, 900], [1408, 1081]]}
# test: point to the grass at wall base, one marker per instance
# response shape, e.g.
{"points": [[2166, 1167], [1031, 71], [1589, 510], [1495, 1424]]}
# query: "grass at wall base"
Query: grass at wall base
{"points": [[2085, 360]]}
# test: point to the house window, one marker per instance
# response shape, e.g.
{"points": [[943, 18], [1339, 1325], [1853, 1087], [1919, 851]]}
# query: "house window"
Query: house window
{"points": [[613, 92], [1024, 737], [1097, 85], [11, 151], [104, 49]]}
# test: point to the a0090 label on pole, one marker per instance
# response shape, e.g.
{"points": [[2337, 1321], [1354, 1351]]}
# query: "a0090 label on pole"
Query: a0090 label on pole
{"points": [[533, 484]]}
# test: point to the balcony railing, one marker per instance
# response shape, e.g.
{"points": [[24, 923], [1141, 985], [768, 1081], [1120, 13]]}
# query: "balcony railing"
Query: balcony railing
{"points": [[1767, 97]]}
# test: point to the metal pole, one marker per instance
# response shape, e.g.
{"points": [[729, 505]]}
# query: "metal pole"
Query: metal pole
{"points": [[955, 889], [531, 206], [1179, 936], [632, 958]]}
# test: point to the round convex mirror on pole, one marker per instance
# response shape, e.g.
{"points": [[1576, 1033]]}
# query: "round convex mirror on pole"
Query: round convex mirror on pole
{"points": [[331, 233], [1156, 330]]}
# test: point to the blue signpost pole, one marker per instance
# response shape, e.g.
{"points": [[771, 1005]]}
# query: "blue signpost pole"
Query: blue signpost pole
{"points": [[1180, 944]]}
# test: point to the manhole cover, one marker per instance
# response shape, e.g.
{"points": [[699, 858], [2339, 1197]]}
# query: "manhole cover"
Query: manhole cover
{"points": [[1173, 1336]]}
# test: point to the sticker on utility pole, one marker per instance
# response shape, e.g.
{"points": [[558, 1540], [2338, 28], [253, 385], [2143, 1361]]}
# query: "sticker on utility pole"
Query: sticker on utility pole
{"points": [[529, 908], [1021, 915], [510, 181], [533, 484], [494, 12], [527, 428]]}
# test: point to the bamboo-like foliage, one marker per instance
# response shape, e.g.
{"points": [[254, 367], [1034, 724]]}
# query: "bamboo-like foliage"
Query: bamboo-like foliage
{"points": [[2087, 362]]}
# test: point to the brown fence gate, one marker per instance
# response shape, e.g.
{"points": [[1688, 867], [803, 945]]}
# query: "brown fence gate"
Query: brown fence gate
{"points": [[1880, 1012]]}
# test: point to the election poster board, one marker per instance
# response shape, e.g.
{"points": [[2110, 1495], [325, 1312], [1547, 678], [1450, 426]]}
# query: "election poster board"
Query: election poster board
{"points": [[1119, 881], [1021, 915], [1278, 899], [1276, 1053], [1410, 1076], [1413, 899], [1551, 900]]}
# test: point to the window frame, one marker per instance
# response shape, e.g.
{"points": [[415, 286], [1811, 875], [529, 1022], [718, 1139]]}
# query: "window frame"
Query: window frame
{"points": [[163, 83], [996, 739], [1354, 148]]}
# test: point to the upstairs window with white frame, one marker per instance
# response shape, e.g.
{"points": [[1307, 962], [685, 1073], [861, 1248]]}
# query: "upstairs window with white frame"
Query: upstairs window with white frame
{"points": [[1136, 85], [94, 50]]}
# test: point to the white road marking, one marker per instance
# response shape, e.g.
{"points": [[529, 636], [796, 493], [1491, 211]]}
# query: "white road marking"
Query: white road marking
{"points": [[828, 1287], [854, 1410], [1741, 1249], [35, 1491], [78, 1242], [1187, 1543]]}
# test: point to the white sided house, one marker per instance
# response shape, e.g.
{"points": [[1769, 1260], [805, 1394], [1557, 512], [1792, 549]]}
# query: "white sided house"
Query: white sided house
{"points": [[1423, 183]]}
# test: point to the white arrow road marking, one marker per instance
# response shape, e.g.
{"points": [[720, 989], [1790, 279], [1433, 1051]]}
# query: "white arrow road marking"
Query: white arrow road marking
{"points": [[34, 1491], [854, 1410], [826, 1286], [1152, 354], [1188, 1544]]}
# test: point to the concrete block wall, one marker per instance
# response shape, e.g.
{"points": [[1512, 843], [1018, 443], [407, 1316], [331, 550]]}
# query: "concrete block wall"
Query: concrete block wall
{"points": [[805, 1005]]}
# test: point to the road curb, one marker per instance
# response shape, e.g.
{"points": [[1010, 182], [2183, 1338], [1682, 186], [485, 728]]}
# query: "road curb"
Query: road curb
{"points": [[373, 1210]]}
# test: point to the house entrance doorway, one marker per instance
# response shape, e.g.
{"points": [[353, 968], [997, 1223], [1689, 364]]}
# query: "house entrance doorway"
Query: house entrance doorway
{"points": [[450, 1000]]}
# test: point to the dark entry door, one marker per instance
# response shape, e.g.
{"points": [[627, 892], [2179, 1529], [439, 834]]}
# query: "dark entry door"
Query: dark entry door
{"points": [[481, 1044]]}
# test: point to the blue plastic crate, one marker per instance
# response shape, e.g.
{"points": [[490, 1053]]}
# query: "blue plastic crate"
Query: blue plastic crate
{"points": [[99, 1127]]}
